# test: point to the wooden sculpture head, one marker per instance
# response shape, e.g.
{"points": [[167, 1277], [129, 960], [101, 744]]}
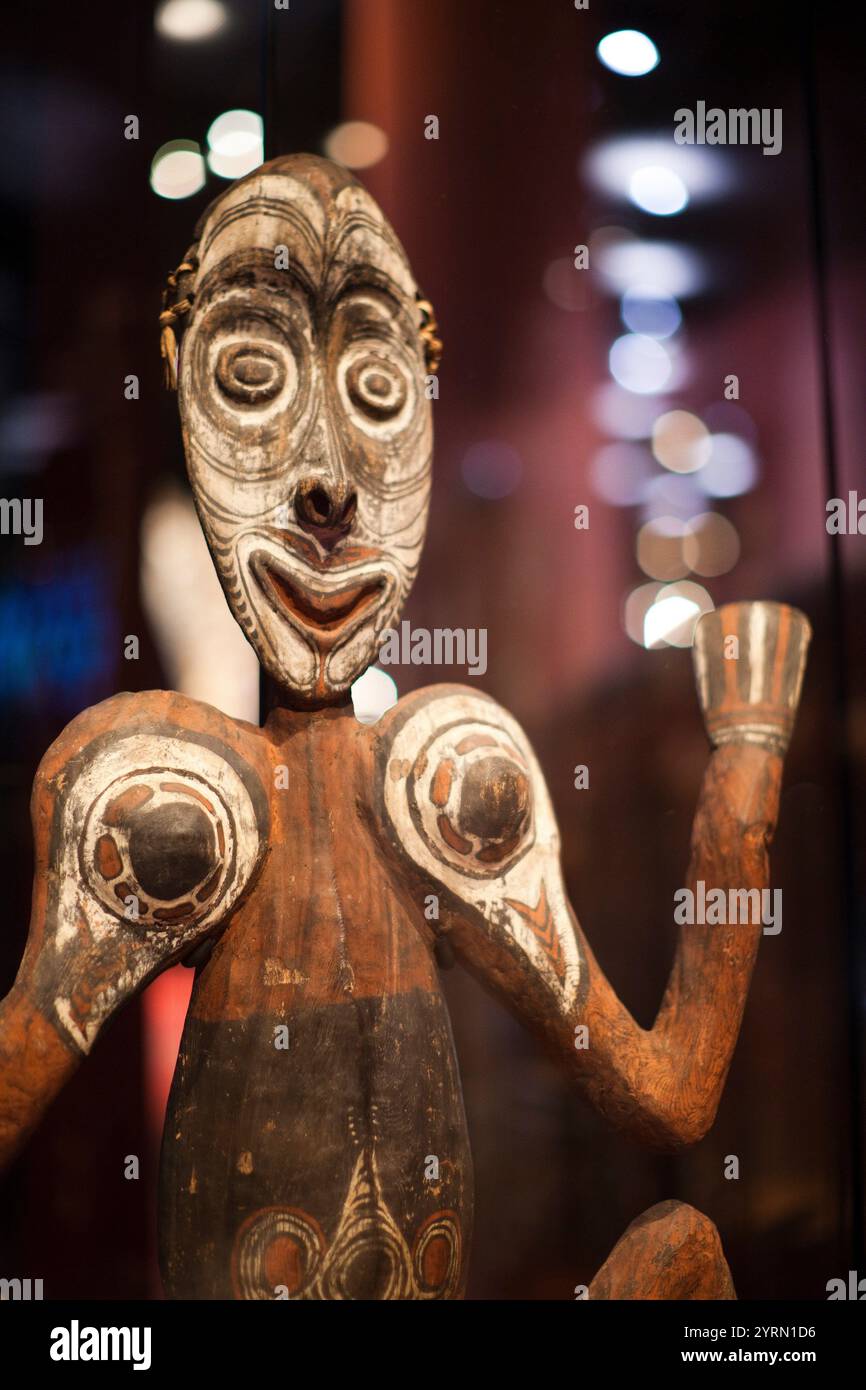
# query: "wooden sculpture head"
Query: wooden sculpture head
{"points": [[307, 430]]}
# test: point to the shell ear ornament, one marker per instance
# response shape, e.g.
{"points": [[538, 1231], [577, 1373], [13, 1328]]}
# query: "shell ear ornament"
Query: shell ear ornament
{"points": [[173, 311], [429, 331]]}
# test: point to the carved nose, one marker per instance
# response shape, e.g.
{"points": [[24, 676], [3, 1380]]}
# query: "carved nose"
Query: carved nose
{"points": [[326, 508]]}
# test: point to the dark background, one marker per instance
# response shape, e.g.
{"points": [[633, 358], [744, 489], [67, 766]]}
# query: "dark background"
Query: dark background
{"points": [[521, 100]]}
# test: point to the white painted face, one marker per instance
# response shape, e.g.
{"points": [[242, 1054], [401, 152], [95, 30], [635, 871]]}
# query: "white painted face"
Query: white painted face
{"points": [[307, 431]]}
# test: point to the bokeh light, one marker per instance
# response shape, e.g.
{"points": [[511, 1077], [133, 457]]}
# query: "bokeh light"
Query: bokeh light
{"points": [[672, 494], [357, 144], [658, 190], [609, 165], [671, 619], [186, 21], [732, 467], [236, 144], [659, 548], [651, 312], [635, 608], [372, 694], [681, 442], [628, 52], [624, 260], [639, 363], [710, 545], [178, 169]]}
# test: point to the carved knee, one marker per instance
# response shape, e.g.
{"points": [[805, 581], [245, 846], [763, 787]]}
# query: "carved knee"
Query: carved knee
{"points": [[671, 1251]]}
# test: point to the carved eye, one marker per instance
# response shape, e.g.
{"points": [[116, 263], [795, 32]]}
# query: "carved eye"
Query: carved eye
{"points": [[376, 386], [251, 373]]}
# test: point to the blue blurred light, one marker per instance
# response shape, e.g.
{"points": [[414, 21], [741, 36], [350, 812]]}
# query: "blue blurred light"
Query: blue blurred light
{"points": [[651, 312], [732, 468], [59, 635]]}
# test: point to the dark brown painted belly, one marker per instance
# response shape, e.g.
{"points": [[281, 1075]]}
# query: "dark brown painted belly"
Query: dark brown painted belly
{"points": [[316, 1186]]}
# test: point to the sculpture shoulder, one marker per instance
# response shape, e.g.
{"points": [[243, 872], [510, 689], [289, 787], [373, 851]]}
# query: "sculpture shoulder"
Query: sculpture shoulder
{"points": [[157, 713], [460, 784], [152, 803], [467, 816]]}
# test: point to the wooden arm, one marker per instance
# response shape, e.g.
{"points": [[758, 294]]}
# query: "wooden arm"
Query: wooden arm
{"points": [[664, 1084], [35, 1064], [468, 820]]}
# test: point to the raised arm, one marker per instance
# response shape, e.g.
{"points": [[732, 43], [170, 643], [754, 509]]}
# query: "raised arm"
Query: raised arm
{"points": [[148, 827], [469, 821]]}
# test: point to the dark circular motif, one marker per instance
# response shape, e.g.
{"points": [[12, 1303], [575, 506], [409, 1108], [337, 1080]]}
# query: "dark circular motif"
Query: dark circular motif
{"points": [[377, 387], [494, 799], [186, 828], [249, 373]]}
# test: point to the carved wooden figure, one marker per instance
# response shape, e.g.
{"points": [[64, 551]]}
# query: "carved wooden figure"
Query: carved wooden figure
{"points": [[317, 1075]]}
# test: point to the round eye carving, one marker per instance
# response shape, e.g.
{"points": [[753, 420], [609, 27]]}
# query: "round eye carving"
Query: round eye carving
{"points": [[376, 386], [250, 373]]}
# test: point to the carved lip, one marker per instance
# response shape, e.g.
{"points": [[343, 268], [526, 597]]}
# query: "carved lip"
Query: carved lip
{"points": [[318, 609]]}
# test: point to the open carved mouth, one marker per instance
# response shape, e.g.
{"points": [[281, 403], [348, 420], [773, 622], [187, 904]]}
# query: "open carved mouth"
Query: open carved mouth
{"points": [[324, 612]]}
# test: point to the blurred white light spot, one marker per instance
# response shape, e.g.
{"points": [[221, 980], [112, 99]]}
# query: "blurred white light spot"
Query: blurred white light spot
{"points": [[611, 164], [680, 441], [639, 363], [628, 52], [671, 619], [357, 144], [635, 609], [624, 260], [620, 473], [731, 469], [565, 286], [491, 469], [668, 620], [658, 190], [373, 694], [651, 312], [236, 144], [177, 169], [188, 20]]}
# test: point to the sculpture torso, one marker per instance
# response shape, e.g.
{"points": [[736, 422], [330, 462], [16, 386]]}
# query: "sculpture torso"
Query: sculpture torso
{"points": [[318, 1045]]}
